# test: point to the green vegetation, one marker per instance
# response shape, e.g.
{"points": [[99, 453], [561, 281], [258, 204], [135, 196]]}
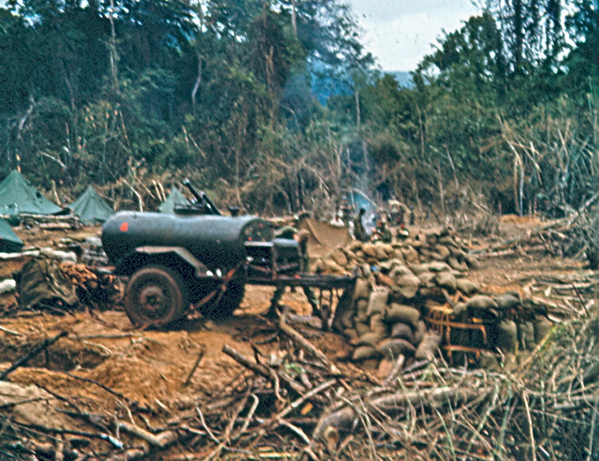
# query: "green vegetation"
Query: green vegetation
{"points": [[275, 106]]}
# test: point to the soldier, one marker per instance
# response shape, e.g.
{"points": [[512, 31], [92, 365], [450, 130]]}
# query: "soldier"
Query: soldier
{"points": [[403, 233], [337, 220], [382, 232], [359, 231], [412, 216], [346, 211], [302, 239]]}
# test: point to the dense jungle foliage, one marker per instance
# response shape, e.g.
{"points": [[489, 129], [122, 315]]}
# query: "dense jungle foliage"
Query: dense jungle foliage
{"points": [[274, 105]]}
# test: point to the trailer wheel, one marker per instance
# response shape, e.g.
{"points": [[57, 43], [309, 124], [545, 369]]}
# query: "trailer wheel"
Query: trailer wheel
{"points": [[156, 296]]}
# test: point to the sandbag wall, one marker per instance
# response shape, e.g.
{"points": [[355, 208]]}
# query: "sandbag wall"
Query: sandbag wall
{"points": [[413, 296]]}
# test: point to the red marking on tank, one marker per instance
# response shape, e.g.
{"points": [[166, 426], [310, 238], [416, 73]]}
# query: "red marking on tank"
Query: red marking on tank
{"points": [[124, 227], [249, 239]]}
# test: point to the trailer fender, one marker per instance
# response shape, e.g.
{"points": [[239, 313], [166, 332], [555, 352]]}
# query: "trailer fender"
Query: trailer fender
{"points": [[178, 258]]}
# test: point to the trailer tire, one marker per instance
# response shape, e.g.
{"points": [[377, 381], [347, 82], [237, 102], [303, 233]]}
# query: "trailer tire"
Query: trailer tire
{"points": [[156, 296], [230, 300]]}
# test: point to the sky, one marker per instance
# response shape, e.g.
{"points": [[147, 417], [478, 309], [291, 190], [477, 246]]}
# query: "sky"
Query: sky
{"points": [[399, 33]]}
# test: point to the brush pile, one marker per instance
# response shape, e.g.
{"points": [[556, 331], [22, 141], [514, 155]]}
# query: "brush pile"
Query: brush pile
{"points": [[297, 404]]}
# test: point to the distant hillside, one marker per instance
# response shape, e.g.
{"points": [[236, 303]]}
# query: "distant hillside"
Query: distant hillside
{"points": [[403, 78]]}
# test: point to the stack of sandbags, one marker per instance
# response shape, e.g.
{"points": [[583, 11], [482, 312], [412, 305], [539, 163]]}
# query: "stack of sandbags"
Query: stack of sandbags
{"points": [[403, 285], [386, 317], [439, 246]]}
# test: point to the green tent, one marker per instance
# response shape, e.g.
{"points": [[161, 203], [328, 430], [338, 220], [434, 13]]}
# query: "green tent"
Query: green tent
{"points": [[175, 198], [9, 241], [18, 196], [90, 207]]}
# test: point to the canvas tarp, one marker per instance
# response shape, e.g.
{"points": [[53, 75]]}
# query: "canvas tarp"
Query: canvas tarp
{"points": [[90, 207], [18, 196], [175, 198], [324, 237], [9, 241]]}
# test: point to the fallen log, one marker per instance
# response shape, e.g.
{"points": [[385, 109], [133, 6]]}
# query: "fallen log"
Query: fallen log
{"points": [[344, 418]]}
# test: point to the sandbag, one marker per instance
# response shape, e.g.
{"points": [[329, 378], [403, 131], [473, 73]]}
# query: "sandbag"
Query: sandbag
{"points": [[526, 336], [398, 254], [481, 302], [377, 325], [351, 334], [399, 271], [427, 279], [362, 328], [506, 301], [446, 280], [393, 347], [460, 311], [339, 257], [355, 246], [456, 252], [434, 256], [365, 270], [402, 313], [443, 251], [364, 353], [320, 266], [381, 254], [332, 266], [472, 262], [346, 318], [386, 266], [431, 239], [542, 326], [362, 311], [410, 255], [454, 263], [507, 336], [402, 330], [447, 240], [438, 266], [371, 338], [408, 286], [388, 249], [428, 347], [378, 301], [418, 269], [362, 289], [420, 332], [488, 361], [369, 249], [467, 286]]}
